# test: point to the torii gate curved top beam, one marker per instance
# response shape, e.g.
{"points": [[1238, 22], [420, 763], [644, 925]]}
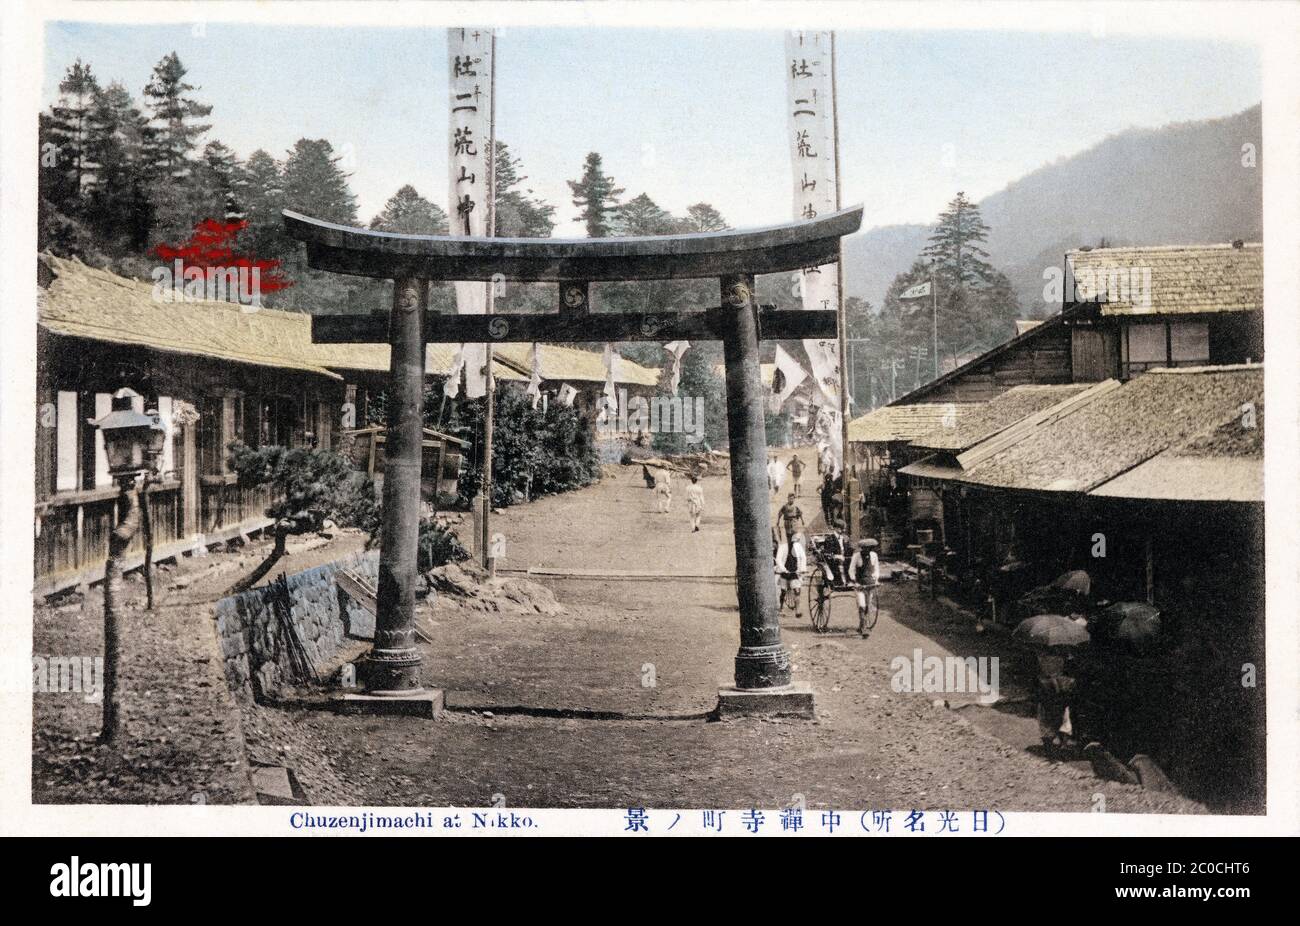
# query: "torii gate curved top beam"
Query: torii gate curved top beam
{"points": [[385, 255], [733, 257]]}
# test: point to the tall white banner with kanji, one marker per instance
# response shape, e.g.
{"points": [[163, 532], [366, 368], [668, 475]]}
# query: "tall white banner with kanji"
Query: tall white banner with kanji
{"points": [[812, 156], [469, 86]]}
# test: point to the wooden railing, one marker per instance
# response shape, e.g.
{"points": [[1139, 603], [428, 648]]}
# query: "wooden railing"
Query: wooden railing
{"points": [[73, 529], [71, 544], [225, 506]]}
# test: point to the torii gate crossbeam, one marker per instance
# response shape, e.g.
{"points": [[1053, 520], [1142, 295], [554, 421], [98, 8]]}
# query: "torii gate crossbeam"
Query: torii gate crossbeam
{"points": [[733, 257]]}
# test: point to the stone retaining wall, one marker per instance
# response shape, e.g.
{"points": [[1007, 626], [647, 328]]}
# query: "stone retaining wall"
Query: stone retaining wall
{"points": [[256, 656]]}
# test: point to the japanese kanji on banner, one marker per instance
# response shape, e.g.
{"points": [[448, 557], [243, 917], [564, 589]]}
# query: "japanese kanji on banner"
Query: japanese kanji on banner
{"points": [[469, 71], [812, 154]]}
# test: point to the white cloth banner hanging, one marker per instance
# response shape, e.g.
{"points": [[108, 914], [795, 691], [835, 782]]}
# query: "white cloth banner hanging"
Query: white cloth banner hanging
{"points": [[476, 375], [451, 388], [609, 404], [567, 394], [812, 154], [535, 380], [469, 87], [785, 379], [676, 349]]}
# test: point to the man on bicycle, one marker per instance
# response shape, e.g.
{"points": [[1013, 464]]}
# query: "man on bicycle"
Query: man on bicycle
{"points": [[864, 571]]}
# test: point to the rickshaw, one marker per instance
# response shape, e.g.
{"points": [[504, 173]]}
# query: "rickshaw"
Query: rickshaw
{"points": [[829, 576]]}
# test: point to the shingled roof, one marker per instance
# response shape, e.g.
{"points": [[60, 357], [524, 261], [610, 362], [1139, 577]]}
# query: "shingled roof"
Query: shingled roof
{"points": [[1111, 435], [1181, 279], [1224, 462], [989, 418], [891, 423]]}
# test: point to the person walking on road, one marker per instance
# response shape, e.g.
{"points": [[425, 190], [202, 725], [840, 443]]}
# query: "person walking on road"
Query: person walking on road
{"points": [[796, 467], [864, 571], [775, 474], [789, 516], [663, 490], [695, 501]]}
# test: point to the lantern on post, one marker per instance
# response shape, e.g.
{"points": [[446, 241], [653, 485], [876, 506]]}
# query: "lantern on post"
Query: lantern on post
{"points": [[133, 443]]}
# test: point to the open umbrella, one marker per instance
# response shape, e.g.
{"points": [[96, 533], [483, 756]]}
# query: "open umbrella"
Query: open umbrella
{"points": [[1076, 580], [1134, 622], [1050, 631]]}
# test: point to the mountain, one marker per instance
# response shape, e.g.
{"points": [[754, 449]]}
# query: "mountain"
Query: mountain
{"points": [[1183, 183]]}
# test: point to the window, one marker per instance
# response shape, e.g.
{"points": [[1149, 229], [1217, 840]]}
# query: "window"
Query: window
{"points": [[281, 421], [1189, 343], [209, 436], [1165, 344]]}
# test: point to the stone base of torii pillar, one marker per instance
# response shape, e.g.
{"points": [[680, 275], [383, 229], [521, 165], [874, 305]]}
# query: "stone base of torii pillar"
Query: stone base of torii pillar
{"points": [[793, 700]]}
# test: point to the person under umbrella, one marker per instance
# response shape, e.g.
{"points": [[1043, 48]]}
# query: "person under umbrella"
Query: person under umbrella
{"points": [[1053, 635]]}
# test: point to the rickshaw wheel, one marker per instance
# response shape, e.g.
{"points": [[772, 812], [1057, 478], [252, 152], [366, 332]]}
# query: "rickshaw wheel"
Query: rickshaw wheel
{"points": [[819, 602]]}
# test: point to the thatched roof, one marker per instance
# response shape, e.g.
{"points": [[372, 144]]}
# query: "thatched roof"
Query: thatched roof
{"points": [[1120, 429], [84, 302], [891, 423], [999, 413], [438, 359], [1182, 279], [572, 364]]}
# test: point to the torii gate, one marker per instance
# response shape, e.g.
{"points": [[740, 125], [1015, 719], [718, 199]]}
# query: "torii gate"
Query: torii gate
{"points": [[734, 257]]}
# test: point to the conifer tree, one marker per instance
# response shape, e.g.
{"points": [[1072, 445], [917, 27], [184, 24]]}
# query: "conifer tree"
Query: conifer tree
{"points": [[596, 196]]}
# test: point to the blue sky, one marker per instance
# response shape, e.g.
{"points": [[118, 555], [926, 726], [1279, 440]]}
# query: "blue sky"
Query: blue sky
{"points": [[684, 115]]}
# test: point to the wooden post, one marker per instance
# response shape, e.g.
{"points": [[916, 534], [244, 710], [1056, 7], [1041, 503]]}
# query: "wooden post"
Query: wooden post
{"points": [[393, 665], [190, 526], [762, 661], [114, 599]]}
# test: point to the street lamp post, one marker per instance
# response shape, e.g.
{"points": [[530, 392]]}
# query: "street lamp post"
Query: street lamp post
{"points": [[133, 443]]}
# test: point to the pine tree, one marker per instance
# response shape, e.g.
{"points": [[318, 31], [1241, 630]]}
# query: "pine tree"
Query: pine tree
{"points": [[315, 185], [171, 137], [220, 184], [955, 245], [519, 214], [703, 217], [69, 128], [596, 196], [264, 195], [999, 307], [172, 117], [641, 215], [119, 208], [409, 213]]}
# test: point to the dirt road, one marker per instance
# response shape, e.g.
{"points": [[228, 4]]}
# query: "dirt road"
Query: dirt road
{"points": [[624, 677]]}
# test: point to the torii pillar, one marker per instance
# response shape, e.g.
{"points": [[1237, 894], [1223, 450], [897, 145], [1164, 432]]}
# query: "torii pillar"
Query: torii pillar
{"points": [[762, 664], [762, 660]]}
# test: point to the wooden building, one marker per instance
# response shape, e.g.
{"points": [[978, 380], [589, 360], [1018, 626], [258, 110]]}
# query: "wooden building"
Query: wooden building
{"points": [[1134, 309], [216, 372], [1124, 311]]}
